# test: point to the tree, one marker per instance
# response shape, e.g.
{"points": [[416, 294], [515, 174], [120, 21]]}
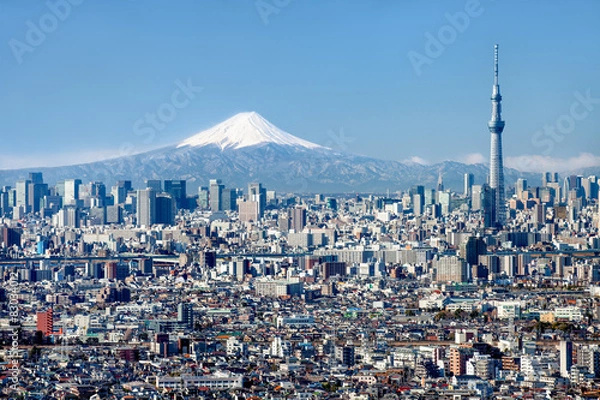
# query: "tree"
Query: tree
{"points": [[458, 314], [440, 315]]}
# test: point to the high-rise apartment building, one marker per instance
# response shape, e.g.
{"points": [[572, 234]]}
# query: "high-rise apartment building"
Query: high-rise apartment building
{"points": [[451, 269], [45, 322]]}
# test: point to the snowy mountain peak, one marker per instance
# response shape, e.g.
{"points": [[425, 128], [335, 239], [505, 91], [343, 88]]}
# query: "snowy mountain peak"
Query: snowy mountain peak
{"points": [[245, 130]]}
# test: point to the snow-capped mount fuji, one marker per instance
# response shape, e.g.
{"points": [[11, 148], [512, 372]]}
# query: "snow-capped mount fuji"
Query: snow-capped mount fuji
{"points": [[247, 148], [245, 129]]}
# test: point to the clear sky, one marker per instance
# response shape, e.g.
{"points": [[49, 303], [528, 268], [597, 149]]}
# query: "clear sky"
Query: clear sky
{"points": [[78, 77]]}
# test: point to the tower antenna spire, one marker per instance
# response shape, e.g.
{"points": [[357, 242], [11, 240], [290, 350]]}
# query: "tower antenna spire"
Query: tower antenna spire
{"points": [[495, 64]]}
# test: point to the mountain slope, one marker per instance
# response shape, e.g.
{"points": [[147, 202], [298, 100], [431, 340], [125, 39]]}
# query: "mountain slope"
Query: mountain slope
{"points": [[248, 148]]}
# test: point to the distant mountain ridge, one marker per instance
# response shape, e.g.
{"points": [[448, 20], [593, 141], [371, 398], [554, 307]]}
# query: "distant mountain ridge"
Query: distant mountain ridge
{"points": [[247, 148]]}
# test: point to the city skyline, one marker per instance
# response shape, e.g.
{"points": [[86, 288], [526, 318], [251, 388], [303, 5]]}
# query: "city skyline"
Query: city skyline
{"points": [[299, 199], [340, 88]]}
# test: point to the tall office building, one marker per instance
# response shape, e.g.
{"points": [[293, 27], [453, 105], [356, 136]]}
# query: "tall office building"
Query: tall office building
{"points": [[418, 202], [72, 216], [445, 202], [216, 194], [298, 219], [566, 357], [418, 190], [126, 184], [472, 248], [97, 193], [549, 177], [22, 194], [229, 199], [520, 187], [36, 192], [154, 184], [482, 199], [165, 209], [71, 191], [590, 187], [476, 193], [468, 182], [146, 207], [538, 216], [177, 189], [3, 202], [440, 183], [259, 194], [203, 198], [36, 177], [488, 206], [496, 127], [119, 194]]}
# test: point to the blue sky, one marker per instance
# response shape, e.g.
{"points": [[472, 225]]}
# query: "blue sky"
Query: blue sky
{"points": [[340, 73]]}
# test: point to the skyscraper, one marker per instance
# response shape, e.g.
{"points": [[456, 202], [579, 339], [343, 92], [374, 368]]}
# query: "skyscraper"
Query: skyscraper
{"points": [[520, 187], [203, 197], [165, 209], [22, 194], [36, 177], [229, 199], [216, 193], [259, 194], [155, 184], [496, 126], [146, 207], [71, 193], [469, 179], [177, 189]]}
